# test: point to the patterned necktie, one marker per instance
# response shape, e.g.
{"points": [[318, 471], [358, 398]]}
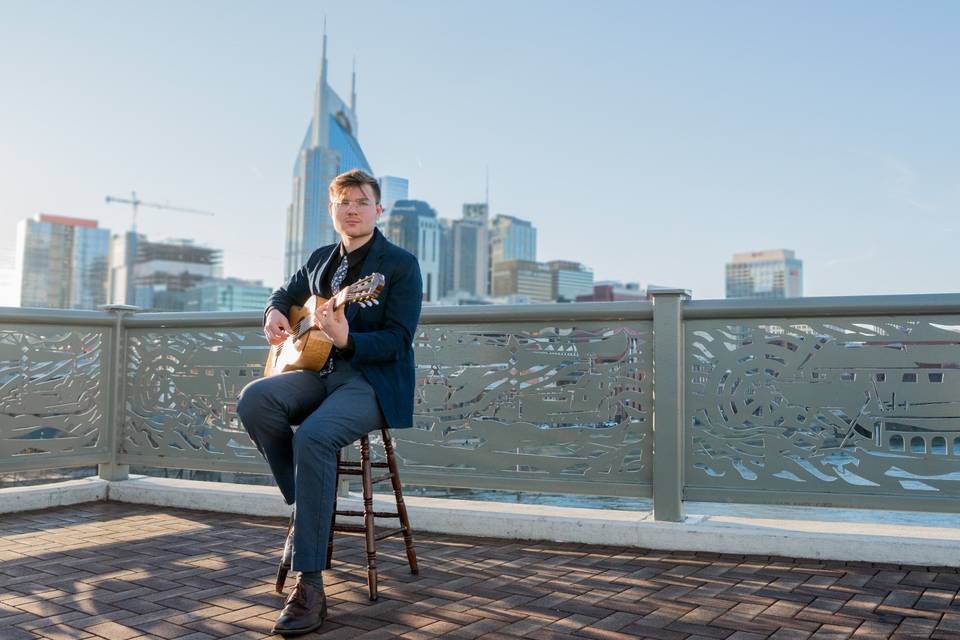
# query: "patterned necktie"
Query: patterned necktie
{"points": [[338, 276], [335, 283]]}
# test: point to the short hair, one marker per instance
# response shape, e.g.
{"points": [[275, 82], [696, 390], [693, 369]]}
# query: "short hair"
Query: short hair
{"points": [[354, 178]]}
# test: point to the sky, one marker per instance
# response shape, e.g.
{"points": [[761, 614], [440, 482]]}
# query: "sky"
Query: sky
{"points": [[650, 141]]}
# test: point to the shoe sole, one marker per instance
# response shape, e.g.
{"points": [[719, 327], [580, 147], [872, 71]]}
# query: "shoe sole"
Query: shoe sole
{"points": [[297, 632]]}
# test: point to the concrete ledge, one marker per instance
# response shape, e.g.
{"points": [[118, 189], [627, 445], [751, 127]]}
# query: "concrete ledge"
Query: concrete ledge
{"points": [[205, 496], [57, 494], [800, 532]]}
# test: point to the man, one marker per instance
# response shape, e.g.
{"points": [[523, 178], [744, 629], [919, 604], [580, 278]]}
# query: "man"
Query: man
{"points": [[371, 381]]}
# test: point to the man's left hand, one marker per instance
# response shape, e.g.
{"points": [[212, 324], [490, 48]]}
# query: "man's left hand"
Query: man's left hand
{"points": [[333, 323]]}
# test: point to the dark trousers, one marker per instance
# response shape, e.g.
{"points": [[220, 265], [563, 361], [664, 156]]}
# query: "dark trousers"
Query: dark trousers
{"points": [[332, 412]]}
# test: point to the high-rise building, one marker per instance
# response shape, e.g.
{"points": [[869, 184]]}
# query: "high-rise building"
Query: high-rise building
{"points": [[329, 148], [775, 273], [392, 189], [61, 262], [226, 294], [446, 257], [523, 278], [123, 257], [413, 226], [165, 271], [471, 250], [476, 212], [569, 280], [512, 239]]}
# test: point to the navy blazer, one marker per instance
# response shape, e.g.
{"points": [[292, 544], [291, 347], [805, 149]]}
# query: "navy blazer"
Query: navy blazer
{"points": [[382, 334]]}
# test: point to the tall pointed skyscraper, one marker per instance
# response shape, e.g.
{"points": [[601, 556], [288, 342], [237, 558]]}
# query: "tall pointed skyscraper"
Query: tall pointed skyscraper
{"points": [[329, 148]]}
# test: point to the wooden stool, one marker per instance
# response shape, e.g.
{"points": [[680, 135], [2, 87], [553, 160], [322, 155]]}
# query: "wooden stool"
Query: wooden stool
{"points": [[364, 470]]}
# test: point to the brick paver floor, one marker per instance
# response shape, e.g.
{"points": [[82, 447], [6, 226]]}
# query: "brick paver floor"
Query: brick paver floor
{"points": [[116, 571]]}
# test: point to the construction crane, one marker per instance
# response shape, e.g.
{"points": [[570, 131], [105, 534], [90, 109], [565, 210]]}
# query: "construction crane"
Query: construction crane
{"points": [[137, 202]]}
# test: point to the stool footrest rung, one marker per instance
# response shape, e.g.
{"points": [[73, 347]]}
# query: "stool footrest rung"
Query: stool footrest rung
{"points": [[360, 514], [356, 465], [358, 472]]}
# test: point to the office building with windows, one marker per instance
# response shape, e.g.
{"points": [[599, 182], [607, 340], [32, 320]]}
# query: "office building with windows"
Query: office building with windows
{"points": [[61, 262], [471, 251], [329, 147], [512, 239], [413, 225], [445, 235], [392, 189], [165, 271], [226, 294], [523, 278], [775, 273], [569, 280]]}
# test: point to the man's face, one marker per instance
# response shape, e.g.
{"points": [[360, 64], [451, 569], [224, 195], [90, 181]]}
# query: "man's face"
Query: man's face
{"points": [[355, 212]]}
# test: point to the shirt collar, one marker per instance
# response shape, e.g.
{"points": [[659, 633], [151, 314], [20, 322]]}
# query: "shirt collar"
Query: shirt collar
{"points": [[359, 254]]}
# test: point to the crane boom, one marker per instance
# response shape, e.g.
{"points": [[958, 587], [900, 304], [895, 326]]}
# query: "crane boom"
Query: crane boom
{"points": [[137, 203]]}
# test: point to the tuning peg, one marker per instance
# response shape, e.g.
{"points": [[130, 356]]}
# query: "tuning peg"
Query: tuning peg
{"points": [[375, 301]]}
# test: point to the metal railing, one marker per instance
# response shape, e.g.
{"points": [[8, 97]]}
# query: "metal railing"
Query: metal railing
{"points": [[827, 401]]}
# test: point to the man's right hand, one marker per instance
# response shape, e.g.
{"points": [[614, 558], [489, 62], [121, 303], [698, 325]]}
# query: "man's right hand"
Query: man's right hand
{"points": [[276, 328]]}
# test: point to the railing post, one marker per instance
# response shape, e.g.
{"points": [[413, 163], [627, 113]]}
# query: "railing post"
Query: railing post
{"points": [[116, 394], [668, 391]]}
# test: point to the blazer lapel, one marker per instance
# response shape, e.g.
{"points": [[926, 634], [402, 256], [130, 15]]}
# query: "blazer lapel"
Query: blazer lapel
{"points": [[370, 265], [318, 278]]}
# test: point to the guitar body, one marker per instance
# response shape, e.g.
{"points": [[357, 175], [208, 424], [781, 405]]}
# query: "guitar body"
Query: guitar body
{"points": [[309, 351], [309, 346]]}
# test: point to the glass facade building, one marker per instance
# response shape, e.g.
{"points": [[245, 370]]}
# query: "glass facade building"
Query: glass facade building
{"points": [[470, 255], [61, 263], [329, 147], [413, 225], [226, 294], [512, 239], [392, 189], [775, 273], [570, 280]]}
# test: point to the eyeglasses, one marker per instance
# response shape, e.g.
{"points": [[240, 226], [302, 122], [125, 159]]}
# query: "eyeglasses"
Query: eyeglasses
{"points": [[345, 204]]}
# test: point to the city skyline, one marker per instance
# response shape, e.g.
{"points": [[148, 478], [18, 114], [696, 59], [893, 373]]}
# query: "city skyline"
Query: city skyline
{"points": [[701, 129]]}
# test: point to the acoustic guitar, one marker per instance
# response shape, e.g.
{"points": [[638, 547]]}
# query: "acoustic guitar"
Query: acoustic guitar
{"points": [[309, 346]]}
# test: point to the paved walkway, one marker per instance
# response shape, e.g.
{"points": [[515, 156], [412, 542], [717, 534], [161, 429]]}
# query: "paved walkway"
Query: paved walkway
{"points": [[120, 571]]}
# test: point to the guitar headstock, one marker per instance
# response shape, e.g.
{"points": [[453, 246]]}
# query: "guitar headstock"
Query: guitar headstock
{"points": [[366, 290]]}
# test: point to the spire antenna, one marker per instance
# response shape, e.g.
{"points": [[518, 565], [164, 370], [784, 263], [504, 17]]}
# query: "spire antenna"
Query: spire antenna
{"points": [[353, 87]]}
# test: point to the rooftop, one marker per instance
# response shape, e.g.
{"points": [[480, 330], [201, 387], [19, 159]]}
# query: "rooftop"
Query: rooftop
{"points": [[121, 571]]}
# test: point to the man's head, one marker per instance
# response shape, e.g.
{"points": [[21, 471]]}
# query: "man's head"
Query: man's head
{"points": [[355, 204]]}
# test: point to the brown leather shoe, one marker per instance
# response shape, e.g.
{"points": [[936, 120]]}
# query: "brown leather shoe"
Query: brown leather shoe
{"points": [[305, 610]]}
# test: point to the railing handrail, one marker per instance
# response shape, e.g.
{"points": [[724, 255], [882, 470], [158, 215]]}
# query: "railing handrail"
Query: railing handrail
{"points": [[33, 315], [885, 305]]}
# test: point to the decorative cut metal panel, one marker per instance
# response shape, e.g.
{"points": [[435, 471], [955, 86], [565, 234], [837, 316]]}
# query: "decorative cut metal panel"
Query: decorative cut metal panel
{"points": [[569, 405], [181, 391], [854, 405], [52, 395]]}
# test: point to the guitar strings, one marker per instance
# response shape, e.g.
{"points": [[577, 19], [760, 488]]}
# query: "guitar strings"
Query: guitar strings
{"points": [[348, 295]]}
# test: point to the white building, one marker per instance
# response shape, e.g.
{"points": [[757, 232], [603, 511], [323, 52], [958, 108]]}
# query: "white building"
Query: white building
{"points": [[774, 273]]}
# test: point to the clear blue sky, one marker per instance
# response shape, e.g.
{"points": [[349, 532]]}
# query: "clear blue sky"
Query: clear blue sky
{"points": [[648, 140]]}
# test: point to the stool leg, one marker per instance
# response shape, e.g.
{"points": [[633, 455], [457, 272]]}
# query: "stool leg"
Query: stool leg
{"points": [[401, 506], [333, 516], [368, 516]]}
